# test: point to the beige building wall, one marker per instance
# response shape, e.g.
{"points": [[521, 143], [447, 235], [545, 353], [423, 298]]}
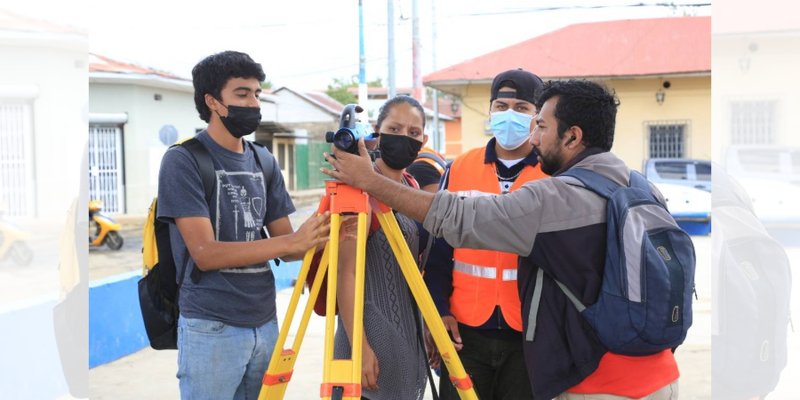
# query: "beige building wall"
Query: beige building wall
{"points": [[688, 100], [475, 117], [756, 68]]}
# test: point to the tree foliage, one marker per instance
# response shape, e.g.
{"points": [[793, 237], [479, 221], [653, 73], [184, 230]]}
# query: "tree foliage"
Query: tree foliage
{"points": [[338, 89]]}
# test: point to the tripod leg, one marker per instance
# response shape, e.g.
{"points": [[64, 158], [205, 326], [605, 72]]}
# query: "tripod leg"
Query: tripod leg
{"points": [[281, 365], [342, 378], [408, 266]]}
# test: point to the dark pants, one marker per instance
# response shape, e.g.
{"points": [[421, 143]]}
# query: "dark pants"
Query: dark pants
{"points": [[496, 367]]}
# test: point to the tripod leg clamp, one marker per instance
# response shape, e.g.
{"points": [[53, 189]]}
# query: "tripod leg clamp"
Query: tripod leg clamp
{"points": [[463, 384], [348, 389], [277, 379]]}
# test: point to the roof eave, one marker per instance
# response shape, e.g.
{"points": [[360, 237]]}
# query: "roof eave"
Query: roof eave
{"points": [[309, 99], [142, 80], [68, 41], [448, 85]]}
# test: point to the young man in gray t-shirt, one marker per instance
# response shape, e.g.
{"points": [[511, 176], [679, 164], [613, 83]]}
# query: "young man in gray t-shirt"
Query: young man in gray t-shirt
{"points": [[227, 326]]}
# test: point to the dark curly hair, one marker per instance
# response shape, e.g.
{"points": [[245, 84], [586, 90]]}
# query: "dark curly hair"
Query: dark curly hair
{"points": [[212, 73], [386, 107], [588, 105]]}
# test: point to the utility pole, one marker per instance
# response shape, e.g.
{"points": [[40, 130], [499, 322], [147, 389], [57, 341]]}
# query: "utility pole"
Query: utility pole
{"points": [[438, 142], [416, 53], [390, 24], [362, 60]]}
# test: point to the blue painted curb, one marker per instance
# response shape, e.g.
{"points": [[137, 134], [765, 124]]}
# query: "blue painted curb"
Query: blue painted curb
{"points": [[115, 320], [30, 359]]}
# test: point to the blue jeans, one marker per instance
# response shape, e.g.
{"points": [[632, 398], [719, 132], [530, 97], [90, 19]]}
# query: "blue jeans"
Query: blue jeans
{"points": [[217, 361]]}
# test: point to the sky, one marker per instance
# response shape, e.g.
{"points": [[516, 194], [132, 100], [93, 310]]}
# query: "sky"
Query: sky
{"points": [[305, 44]]}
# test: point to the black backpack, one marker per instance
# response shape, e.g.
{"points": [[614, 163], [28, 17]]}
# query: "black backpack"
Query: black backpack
{"points": [[158, 288]]}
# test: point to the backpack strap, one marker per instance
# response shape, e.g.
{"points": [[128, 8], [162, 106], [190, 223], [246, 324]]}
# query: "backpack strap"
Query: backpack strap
{"points": [[638, 180], [204, 165], [207, 174], [536, 301], [427, 250], [266, 161], [593, 181], [598, 184]]}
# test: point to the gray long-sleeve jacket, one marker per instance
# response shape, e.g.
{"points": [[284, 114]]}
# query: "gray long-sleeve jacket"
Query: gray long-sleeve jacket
{"points": [[559, 226]]}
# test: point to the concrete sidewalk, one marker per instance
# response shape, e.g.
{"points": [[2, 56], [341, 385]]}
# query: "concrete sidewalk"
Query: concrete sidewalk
{"points": [[150, 374]]}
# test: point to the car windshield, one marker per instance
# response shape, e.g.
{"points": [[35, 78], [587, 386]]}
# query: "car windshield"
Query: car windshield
{"points": [[771, 161], [703, 171], [671, 169], [685, 170]]}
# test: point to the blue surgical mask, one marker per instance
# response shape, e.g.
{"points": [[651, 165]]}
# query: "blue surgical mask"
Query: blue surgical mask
{"points": [[511, 128]]}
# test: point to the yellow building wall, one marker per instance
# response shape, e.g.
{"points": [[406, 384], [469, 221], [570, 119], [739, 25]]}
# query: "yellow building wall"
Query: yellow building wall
{"points": [[756, 67], [474, 117], [688, 100]]}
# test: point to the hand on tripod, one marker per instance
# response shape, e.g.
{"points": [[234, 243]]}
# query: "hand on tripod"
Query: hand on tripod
{"points": [[434, 358], [344, 378], [313, 233]]}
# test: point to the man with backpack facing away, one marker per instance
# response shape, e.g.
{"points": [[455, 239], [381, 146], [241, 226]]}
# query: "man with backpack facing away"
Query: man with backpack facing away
{"points": [[475, 291], [559, 228], [227, 326]]}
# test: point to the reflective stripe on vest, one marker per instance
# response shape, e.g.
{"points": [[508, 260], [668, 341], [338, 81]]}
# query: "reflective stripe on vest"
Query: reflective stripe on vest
{"points": [[484, 272], [430, 156]]}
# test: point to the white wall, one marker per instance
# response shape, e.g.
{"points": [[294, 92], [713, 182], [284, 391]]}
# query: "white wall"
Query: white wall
{"points": [[53, 72], [295, 109], [755, 67], [142, 148]]}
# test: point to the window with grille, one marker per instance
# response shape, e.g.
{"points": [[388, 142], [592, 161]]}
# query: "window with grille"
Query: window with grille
{"points": [[16, 160], [753, 122], [105, 167], [667, 140]]}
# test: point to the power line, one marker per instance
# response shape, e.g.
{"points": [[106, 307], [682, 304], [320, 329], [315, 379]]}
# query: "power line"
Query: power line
{"points": [[578, 7]]}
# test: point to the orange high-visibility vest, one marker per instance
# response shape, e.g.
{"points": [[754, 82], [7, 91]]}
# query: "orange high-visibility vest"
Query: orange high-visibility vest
{"points": [[484, 279]]}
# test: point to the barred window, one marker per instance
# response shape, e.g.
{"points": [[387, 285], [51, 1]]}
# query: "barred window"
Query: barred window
{"points": [[753, 122], [16, 159], [667, 140]]}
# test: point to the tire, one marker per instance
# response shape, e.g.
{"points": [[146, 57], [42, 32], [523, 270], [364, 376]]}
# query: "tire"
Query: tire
{"points": [[114, 240], [21, 254]]}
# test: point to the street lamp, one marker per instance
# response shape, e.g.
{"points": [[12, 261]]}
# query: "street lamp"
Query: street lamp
{"points": [[660, 95]]}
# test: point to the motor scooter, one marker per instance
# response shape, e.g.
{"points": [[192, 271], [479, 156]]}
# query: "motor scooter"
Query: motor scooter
{"points": [[103, 229], [13, 243]]}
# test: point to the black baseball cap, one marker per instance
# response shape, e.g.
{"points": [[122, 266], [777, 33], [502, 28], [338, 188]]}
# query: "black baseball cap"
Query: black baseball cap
{"points": [[527, 85]]}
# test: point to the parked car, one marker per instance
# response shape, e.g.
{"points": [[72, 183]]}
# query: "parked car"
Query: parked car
{"points": [[679, 171], [686, 186], [771, 176]]}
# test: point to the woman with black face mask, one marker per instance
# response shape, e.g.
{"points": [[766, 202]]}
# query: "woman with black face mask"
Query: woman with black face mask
{"points": [[393, 359]]}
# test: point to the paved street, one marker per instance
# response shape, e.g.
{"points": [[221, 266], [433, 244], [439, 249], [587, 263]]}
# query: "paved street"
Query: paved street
{"points": [[154, 371]]}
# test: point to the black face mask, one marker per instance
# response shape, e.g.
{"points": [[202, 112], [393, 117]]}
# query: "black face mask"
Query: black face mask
{"points": [[398, 151], [241, 121]]}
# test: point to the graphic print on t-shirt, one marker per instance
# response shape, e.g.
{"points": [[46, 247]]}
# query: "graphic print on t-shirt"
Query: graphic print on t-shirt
{"points": [[240, 206]]}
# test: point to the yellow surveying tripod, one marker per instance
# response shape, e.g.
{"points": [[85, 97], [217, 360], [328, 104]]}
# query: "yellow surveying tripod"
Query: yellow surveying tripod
{"points": [[341, 379]]}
